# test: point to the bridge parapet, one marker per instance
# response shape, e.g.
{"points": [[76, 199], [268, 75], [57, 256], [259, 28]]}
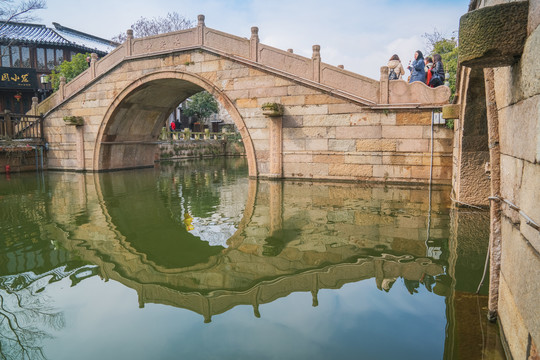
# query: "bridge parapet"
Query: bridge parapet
{"points": [[312, 71]]}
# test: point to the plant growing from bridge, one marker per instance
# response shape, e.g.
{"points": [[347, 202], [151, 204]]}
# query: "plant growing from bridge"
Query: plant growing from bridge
{"points": [[201, 105], [272, 109]]}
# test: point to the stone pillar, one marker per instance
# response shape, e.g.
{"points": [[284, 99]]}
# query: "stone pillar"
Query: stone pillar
{"points": [[129, 42], [200, 29], [495, 208], [80, 147], [315, 290], [276, 206], [254, 43], [316, 59], [471, 150], [384, 86], [9, 125], [93, 61], [62, 87], [274, 113], [35, 102], [276, 146]]}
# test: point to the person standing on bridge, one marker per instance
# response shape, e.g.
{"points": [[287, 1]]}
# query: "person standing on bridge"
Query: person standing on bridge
{"points": [[395, 69], [437, 71], [427, 68], [417, 68]]}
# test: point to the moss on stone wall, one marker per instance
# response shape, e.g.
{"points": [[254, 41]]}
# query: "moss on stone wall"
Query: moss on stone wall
{"points": [[494, 35]]}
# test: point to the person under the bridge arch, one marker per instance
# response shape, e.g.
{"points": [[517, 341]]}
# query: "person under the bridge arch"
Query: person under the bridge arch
{"points": [[416, 68]]}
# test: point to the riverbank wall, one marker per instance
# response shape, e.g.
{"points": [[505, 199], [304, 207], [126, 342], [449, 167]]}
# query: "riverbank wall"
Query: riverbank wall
{"points": [[18, 158], [182, 149]]}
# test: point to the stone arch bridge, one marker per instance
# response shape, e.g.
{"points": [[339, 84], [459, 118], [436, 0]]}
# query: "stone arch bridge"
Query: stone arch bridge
{"points": [[335, 125]]}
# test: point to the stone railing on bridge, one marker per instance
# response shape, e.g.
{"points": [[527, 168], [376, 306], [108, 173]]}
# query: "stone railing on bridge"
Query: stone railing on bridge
{"points": [[312, 72]]}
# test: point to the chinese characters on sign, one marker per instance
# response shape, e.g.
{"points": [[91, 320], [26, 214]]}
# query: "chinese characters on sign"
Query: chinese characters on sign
{"points": [[18, 78]]}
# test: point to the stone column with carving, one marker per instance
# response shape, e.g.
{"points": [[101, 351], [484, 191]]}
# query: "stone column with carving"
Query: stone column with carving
{"points": [[80, 147], [62, 87], [200, 29], [129, 42], [93, 61], [35, 103], [254, 44], [274, 113], [316, 59]]}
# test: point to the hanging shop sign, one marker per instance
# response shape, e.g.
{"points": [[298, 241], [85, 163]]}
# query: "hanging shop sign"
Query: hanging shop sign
{"points": [[18, 78]]}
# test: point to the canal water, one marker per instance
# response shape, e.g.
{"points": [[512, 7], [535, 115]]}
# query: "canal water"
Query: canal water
{"points": [[194, 260]]}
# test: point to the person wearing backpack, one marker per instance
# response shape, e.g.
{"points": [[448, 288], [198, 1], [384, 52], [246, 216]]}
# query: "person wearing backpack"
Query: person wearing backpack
{"points": [[395, 69]]}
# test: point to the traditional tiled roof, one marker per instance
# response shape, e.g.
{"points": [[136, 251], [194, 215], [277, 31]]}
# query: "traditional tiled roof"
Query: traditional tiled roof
{"points": [[85, 40], [31, 33], [24, 33]]}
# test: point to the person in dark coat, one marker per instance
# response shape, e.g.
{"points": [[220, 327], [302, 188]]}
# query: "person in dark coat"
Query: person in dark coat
{"points": [[437, 72], [417, 68]]}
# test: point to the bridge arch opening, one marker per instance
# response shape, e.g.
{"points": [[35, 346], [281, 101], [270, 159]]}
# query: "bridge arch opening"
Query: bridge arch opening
{"points": [[128, 135]]}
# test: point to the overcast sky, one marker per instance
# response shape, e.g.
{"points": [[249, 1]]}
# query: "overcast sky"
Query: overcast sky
{"points": [[359, 34]]}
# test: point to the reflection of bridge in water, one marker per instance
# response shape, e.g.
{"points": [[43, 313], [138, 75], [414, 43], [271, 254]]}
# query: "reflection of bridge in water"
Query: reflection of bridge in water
{"points": [[266, 291], [292, 237]]}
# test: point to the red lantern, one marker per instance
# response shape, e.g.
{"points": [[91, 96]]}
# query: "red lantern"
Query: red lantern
{"points": [[18, 96]]}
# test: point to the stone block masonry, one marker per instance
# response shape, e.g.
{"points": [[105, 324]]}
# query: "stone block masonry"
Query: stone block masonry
{"points": [[331, 127]]}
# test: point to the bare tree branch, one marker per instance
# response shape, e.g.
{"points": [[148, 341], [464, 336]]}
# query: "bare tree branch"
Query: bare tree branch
{"points": [[160, 25], [12, 11]]}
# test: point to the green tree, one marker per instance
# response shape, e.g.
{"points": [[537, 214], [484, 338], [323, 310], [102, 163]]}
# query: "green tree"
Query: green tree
{"points": [[69, 69], [201, 105], [448, 49]]}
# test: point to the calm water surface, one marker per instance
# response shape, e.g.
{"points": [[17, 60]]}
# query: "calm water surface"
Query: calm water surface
{"points": [[193, 260]]}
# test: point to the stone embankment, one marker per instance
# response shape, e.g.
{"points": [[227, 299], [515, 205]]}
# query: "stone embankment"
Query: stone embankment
{"points": [[181, 149]]}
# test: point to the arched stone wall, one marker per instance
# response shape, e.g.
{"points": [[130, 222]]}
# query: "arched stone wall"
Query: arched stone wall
{"points": [[472, 185], [144, 104]]}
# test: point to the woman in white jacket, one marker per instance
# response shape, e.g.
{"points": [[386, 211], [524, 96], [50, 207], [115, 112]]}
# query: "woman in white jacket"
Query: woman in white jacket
{"points": [[395, 67]]}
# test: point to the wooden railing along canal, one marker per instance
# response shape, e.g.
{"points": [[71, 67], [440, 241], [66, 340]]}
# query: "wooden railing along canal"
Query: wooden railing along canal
{"points": [[20, 126]]}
